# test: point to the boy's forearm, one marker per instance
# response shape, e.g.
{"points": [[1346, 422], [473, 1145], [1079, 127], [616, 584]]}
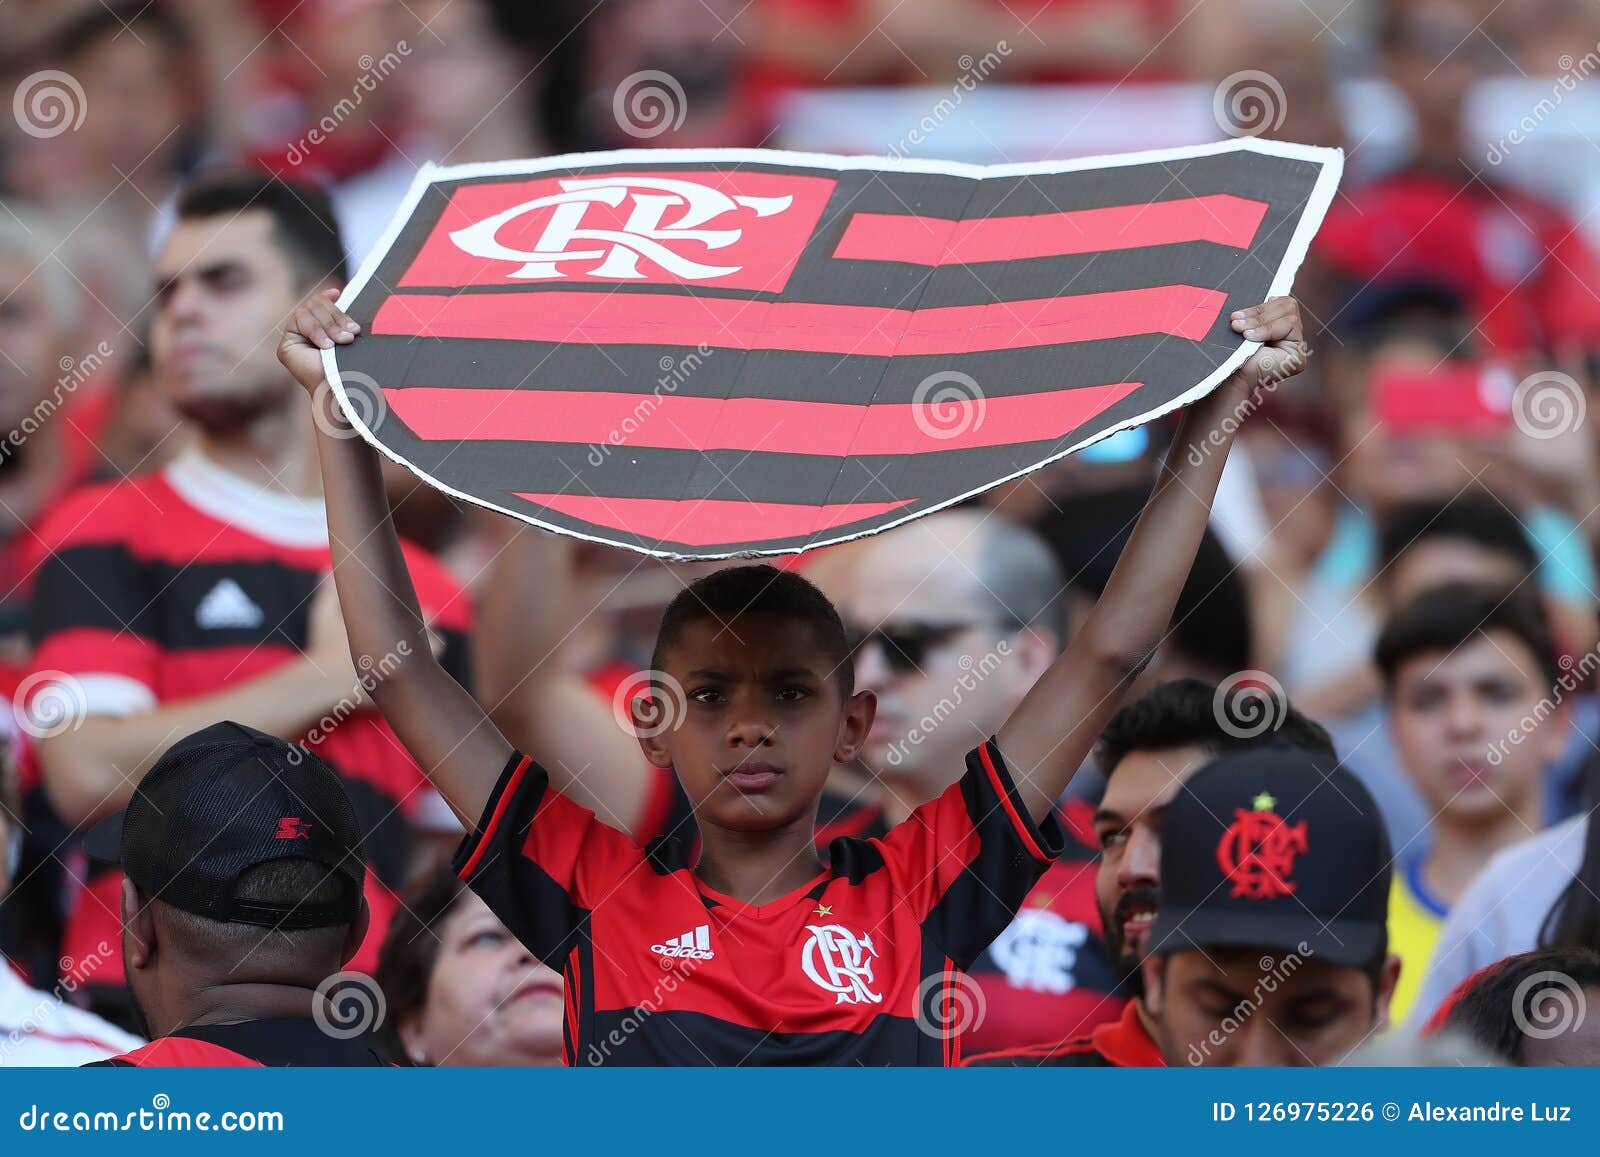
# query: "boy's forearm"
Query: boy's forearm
{"points": [[1055, 727]]}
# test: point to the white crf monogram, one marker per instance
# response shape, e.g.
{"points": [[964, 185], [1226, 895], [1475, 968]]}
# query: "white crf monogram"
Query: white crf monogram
{"points": [[646, 234], [841, 963]]}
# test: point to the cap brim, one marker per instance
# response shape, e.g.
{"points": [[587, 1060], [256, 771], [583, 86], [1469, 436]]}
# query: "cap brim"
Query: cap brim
{"points": [[104, 840], [1345, 942]]}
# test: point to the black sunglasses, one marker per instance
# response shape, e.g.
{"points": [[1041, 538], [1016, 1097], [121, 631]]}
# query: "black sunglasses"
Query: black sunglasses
{"points": [[906, 645]]}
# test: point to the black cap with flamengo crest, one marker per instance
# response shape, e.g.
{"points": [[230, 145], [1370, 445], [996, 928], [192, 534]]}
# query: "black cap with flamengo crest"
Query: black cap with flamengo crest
{"points": [[1274, 849]]}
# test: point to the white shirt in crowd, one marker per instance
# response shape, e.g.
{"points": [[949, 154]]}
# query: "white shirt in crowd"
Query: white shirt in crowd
{"points": [[1503, 909], [41, 1030]]}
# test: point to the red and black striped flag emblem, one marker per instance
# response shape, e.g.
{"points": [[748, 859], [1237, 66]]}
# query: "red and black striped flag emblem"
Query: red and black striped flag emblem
{"points": [[710, 353]]}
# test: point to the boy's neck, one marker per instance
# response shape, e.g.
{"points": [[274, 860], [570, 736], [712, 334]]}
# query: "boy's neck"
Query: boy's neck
{"points": [[1460, 852], [759, 867]]}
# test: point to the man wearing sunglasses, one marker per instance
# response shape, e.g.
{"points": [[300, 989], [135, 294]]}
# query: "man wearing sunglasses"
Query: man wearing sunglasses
{"points": [[952, 618]]}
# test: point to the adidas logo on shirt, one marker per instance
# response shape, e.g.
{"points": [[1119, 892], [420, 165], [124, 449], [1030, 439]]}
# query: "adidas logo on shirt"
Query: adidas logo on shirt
{"points": [[692, 945], [226, 605]]}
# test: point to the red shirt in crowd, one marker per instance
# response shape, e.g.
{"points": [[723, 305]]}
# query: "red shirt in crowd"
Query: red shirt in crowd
{"points": [[1520, 264], [176, 584], [1123, 1044]]}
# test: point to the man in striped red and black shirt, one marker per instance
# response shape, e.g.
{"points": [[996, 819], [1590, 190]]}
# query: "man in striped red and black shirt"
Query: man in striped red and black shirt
{"points": [[175, 599]]}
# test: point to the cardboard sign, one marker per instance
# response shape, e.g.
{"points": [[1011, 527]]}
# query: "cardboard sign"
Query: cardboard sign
{"points": [[708, 353]]}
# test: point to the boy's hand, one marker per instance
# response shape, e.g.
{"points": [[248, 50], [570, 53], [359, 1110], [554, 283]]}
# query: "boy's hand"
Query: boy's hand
{"points": [[1276, 325], [315, 325]]}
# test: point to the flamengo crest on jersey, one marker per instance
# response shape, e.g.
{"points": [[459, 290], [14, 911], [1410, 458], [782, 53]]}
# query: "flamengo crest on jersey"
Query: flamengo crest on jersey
{"points": [[692, 945], [840, 962]]}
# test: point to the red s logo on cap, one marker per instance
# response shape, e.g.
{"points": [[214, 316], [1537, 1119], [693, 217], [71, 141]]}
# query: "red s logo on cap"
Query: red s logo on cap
{"points": [[1257, 851], [293, 828]]}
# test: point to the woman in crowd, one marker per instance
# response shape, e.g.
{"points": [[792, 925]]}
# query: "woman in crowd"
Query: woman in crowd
{"points": [[461, 990]]}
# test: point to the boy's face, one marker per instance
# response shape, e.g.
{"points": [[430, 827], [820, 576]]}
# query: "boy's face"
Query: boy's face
{"points": [[1262, 1008], [1457, 719], [762, 721]]}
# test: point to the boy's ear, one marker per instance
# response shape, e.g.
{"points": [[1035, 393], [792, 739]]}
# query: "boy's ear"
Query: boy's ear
{"points": [[859, 712]]}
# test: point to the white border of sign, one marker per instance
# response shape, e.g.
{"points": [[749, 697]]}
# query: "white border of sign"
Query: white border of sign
{"points": [[1327, 183]]}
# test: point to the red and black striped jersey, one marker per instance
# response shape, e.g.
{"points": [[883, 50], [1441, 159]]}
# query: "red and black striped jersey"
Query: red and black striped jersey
{"points": [[178, 584], [1048, 976], [1120, 1044], [859, 966], [277, 1042]]}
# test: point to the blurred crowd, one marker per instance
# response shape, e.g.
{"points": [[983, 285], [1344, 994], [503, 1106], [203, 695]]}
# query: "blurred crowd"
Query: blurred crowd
{"points": [[1400, 571]]}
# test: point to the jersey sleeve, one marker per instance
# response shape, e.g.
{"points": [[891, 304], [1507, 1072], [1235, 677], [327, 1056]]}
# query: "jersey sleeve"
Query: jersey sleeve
{"points": [[90, 617], [969, 858], [542, 863]]}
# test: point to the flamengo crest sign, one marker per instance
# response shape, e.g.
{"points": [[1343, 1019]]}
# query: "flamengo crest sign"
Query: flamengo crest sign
{"points": [[707, 353]]}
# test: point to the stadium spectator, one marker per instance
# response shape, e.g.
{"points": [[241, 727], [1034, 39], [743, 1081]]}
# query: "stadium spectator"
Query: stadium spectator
{"points": [[1471, 537], [242, 895], [1542, 892], [1150, 747], [40, 1028], [954, 617], [1469, 678], [460, 988], [1269, 944], [1530, 1009], [1519, 262], [172, 599]]}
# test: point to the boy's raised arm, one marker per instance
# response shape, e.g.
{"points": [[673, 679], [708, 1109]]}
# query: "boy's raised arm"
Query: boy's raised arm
{"points": [[1055, 726], [442, 726]]}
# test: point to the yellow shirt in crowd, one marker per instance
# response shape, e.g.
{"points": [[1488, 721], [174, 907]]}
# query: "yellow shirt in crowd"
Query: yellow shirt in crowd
{"points": [[1415, 919]]}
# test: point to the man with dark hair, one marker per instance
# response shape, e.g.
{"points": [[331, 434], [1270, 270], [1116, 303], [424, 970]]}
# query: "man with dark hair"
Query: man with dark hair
{"points": [[1529, 1009], [1269, 945], [1475, 697], [172, 599], [1148, 749], [241, 897]]}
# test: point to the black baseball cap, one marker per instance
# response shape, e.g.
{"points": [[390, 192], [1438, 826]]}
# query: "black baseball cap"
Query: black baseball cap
{"points": [[222, 801], [1274, 849]]}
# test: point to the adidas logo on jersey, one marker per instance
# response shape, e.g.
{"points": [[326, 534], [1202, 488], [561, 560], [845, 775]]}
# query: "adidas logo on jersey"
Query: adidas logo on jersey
{"points": [[692, 945], [226, 605]]}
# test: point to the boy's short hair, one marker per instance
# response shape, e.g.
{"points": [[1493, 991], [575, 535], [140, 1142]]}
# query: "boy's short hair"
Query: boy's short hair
{"points": [[736, 591], [1451, 615], [1183, 713], [1474, 516], [303, 220]]}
